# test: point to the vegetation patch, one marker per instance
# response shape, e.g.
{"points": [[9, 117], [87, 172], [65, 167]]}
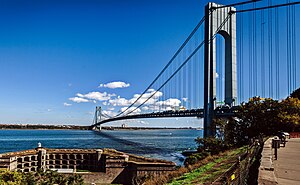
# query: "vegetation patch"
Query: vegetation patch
{"points": [[210, 171], [38, 178]]}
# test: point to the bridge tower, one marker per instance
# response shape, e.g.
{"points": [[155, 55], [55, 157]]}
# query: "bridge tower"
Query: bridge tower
{"points": [[98, 116], [218, 21]]}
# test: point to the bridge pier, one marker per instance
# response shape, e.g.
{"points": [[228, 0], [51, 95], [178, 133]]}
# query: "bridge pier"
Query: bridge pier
{"points": [[218, 21]]}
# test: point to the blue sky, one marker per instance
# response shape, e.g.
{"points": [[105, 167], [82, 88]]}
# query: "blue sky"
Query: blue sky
{"points": [[51, 50]]}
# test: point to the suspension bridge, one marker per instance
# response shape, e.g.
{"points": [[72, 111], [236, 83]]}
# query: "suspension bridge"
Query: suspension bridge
{"points": [[242, 50]]}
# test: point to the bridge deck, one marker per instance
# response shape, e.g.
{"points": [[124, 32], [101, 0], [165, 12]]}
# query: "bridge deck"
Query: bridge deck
{"points": [[199, 113]]}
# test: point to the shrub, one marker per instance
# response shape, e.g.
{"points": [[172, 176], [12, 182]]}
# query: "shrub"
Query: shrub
{"points": [[211, 145], [40, 177], [193, 159]]}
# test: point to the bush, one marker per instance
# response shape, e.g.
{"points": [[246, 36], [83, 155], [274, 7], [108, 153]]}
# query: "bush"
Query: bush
{"points": [[211, 145], [193, 159], [40, 177]]}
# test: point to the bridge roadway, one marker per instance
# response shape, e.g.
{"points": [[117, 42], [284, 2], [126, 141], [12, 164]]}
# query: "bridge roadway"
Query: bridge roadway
{"points": [[199, 113]]}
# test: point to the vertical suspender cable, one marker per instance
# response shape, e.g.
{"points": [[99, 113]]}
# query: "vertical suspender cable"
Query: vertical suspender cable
{"points": [[169, 85], [277, 53], [288, 48], [196, 76], [262, 54], [183, 76], [242, 59], [191, 72], [221, 59], [250, 54], [294, 46], [270, 37], [239, 63], [187, 78], [177, 90], [254, 52], [183, 90], [294, 49]]}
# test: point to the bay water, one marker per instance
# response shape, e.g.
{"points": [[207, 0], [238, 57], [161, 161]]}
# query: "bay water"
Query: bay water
{"points": [[159, 143]]}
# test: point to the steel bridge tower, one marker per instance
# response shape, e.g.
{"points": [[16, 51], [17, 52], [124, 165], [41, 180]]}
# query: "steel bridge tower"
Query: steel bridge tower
{"points": [[98, 116], [218, 21]]}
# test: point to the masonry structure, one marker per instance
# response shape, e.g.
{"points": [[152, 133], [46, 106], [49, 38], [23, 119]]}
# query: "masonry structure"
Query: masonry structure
{"points": [[95, 165]]}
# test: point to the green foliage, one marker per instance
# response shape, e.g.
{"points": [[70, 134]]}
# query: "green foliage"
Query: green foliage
{"points": [[258, 116], [211, 145], [38, 178], [193, 159], [262, 117]]}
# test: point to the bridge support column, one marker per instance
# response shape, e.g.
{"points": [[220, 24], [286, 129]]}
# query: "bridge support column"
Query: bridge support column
{"points": [[218, 21], [98, 117]]}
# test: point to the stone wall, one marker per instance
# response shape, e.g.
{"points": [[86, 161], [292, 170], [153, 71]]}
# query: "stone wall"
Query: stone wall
{"points": [[95, 165]]}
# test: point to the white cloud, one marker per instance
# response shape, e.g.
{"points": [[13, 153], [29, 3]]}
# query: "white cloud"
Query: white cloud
{"points": [[151, 90], [217, 75], [67, 104], [173, 102], [164, 105], [119, 102], [131, 109], [96, 96], [150, 93], [109, 113], [114, 85], [145, 108], [126, 102], [78, 100], [80, 95]]}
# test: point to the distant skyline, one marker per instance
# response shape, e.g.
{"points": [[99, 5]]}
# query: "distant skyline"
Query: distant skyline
{"points": [[62, 58]]}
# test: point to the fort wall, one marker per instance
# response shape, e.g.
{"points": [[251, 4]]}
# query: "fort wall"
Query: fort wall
{"points": [[95, 165]]}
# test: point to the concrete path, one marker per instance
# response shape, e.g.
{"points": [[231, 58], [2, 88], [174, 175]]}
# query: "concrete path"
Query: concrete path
{"points": [[287, 166]]}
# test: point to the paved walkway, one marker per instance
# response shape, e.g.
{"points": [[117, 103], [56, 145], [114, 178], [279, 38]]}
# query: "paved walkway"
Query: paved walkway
{"points": [[287, 167], [285, 170]]}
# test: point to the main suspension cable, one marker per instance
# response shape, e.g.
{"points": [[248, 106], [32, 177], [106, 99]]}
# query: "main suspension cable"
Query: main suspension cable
{"points": [[183, 64], [168, 64]]}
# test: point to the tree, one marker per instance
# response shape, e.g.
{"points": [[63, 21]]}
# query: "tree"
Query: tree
{"points": [[296, 94], [267, 117], [289, 116], [259, 116]]}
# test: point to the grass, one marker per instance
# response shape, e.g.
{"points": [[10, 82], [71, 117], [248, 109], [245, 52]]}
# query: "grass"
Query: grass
{"points": [[210, 171]]}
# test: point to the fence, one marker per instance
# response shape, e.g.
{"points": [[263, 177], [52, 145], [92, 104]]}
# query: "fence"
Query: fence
{"points": [[245, 169]]}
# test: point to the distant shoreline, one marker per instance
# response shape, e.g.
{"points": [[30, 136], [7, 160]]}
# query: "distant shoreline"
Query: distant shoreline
{"points": [[76, 127]]}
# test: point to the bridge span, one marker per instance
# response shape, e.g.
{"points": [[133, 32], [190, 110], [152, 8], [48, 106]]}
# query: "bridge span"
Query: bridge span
{"points": [[199, 113], [223, 60]]}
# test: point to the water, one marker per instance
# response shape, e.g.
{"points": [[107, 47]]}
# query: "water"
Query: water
{"points": [[163, 144]]}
